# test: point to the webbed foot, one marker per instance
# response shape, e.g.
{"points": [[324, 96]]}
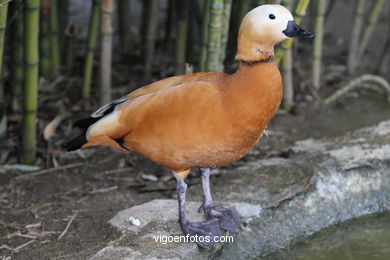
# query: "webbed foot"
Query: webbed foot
{"points": [[229, 218], [204, 231]]}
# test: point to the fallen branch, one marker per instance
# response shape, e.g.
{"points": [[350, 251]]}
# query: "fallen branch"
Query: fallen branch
{"points": [[103, 190], [34, 174], [68, 225], [18, 248], [116, 171], [360, 82]]}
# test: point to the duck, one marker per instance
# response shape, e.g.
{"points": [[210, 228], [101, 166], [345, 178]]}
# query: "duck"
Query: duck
{"points": [[201, 120]]}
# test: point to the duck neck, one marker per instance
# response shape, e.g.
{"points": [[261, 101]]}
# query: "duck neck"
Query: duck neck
{"points": [[255, 90], [253, 51]]}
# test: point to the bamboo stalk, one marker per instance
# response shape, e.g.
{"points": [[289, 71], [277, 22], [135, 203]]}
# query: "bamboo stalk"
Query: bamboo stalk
{"points": [[91, 46], [214, 38], [124, 26], [205, 35], [353, 52], [70, 32], [300, 11], [45, 45], [227, 7], [317, 48], [31, 61], [181, 38], [54, 38], [288, 85], [287, 74], [370, 25], [106, 34], [151, 38], [17, 54], [3, 25]]}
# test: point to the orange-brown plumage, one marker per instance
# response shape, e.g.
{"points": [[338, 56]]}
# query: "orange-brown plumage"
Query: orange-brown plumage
{"points": [[198, 120], [201, 120]]}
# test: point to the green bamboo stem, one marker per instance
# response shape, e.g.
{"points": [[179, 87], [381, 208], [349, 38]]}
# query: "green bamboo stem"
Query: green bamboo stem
{"points": [[70, 32], [91, 46], [214, 38], [181, 38], [31, 61], [288, 85], [124, 26], [287, 74], [353, 53], [360, 82], [205, 35], [106, 35], [300, 12], [17, 54], [54, 38], [227, 7], [317, 48], [370, 25], [151, 38], [3, 25], [45, 69]]}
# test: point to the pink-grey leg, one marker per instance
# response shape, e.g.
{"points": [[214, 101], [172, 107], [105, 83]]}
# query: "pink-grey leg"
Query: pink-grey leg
{"points": [[207, 229], [229, 218]]}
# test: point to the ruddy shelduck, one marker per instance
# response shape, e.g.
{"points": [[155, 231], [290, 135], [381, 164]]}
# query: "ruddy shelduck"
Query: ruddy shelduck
{"points": [[201, 120]]}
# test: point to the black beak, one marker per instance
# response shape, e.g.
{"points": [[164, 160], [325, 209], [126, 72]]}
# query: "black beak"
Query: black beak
{"points": [[293, 30]]}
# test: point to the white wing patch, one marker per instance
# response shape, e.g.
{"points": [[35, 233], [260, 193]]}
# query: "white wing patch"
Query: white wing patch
{"points": [[110, 107]]}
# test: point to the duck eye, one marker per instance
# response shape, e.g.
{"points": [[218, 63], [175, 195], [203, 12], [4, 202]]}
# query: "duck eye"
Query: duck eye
{"points": [[271, 16]]}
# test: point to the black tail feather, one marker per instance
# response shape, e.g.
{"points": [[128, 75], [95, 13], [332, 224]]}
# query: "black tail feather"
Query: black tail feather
{"points": [[86, 122], [75, 143]]}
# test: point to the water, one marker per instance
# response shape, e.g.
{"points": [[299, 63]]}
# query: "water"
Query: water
{"points": [[364, 238]]}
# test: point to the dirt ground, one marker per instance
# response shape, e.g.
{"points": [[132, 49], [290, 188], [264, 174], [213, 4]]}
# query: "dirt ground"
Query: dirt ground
{"points": [[91, 186]]}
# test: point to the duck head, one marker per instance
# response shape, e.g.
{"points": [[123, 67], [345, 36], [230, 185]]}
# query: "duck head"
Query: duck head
{"points": [[262, 28]]}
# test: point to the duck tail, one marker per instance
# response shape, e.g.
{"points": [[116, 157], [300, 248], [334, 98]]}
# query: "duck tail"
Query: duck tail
{"points": [[75, 143]]}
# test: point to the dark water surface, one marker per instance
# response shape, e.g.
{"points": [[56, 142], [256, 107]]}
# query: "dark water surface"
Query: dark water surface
{"points": [[364, 238]]}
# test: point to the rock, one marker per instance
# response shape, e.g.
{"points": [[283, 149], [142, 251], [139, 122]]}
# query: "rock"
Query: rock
{"points": [[282, 200]]}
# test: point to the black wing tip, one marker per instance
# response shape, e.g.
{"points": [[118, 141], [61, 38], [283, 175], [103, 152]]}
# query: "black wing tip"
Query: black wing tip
{"points": [[85, 122], [75, 143]]}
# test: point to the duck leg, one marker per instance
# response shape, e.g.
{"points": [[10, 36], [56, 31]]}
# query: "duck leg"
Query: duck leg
{"points": [[207, 229], [229, 219]]}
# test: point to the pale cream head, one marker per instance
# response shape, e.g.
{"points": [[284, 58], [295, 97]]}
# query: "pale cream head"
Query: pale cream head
{"points": [[260, 30]]}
